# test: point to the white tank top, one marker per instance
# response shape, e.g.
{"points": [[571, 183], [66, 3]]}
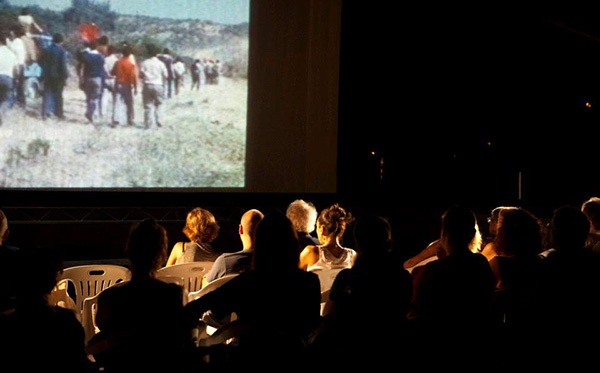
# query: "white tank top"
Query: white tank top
{"points": [[328, 261]]}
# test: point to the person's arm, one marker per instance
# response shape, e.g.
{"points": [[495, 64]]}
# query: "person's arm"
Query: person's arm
{"points": [[308, 256], [216, 271], [428, 252], [175, 253]]}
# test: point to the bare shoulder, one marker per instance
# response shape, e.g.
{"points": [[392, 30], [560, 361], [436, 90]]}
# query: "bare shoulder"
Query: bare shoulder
{"points": [[310, 249]]}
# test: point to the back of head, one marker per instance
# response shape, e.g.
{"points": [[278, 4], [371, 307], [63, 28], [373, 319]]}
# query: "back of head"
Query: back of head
{"points": [[147, 247], [58, 38], [250, 221], [372, 235], [569, 228], [201, 226], [591, 209], [458, 229], [276, 248], [334, 220], [519, 232], [42, 266], [303, 215], [127, 50]]}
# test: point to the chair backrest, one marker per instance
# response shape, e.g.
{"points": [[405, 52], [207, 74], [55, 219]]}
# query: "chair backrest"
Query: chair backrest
{"points": [[211, 324], [171, 279], [192, 273], [59, 296], [88, 314], [326, 277], [210, 286], [90, 279], [325, 302]]}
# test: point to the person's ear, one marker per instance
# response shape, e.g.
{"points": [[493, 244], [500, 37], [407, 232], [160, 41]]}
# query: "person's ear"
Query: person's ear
{"points": [[240, 229]]}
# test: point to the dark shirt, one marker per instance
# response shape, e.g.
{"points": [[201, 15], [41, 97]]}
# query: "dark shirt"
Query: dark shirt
{"points": [[455, 290], [279, 303], [54, 63], [307, 239], [43, 338], [228, 263], [93, 65], [142, 321], [9, 274]]}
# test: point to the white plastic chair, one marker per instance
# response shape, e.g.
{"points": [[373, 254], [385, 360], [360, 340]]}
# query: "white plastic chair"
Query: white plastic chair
{"points": [[326, 277], [210, 323], [88, 314], [210, 286], [90, 279], [171, 279], [59, 296], [192, 273], [325, 306]]}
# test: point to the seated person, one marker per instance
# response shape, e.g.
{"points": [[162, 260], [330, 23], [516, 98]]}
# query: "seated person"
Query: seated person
{"points": [[331, 226], [37, 335], [201, 228], [239, 261], [277, 303], [140, 320]]}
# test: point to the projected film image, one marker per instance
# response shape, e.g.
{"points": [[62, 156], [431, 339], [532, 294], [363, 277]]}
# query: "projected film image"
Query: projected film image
{"points": [[154, 94]]}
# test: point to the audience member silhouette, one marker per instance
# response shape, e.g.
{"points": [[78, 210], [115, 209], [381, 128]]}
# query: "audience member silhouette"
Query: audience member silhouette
{"points": [[331, 226], [591, 209], [303, 215], [9, 274], [239, 261], [36, 335], [489, 248], [568, 319], [369, 302], [434, 250], [453, 295], [276, 303], [201, 228], [140, 320], [518, 243], [517, 267]]}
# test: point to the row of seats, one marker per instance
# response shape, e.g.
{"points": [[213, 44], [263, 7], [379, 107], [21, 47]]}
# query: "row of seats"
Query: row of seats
{"points": [[79, 286]]}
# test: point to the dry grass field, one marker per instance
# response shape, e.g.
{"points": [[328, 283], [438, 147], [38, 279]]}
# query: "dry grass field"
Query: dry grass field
{"points": [[201, 143]]}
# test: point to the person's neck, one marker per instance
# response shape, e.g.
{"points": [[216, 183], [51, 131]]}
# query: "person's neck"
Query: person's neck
{"points": [[333, 246]]}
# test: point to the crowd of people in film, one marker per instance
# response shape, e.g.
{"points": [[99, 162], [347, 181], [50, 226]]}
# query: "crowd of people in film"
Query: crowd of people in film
{"points": [[508, 291], [35, 64]]}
